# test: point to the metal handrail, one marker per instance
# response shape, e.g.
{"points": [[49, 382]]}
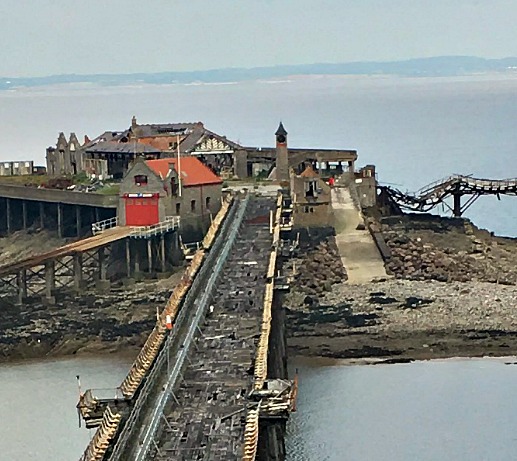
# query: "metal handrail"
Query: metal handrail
{"points": [[103, 225], [170, 222], [198, 284]]}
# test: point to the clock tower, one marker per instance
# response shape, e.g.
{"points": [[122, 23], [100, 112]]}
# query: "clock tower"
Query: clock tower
{"points": [[282, 164]]}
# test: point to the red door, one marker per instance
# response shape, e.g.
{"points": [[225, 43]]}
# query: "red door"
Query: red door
{"points": [[142, 211]]}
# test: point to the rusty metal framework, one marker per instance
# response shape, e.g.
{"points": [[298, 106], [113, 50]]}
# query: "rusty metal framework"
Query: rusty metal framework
{"points": [[454, 186]]}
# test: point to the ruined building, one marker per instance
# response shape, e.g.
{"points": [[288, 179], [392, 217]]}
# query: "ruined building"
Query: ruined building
{"points": [[66, 158], [111, 154]]}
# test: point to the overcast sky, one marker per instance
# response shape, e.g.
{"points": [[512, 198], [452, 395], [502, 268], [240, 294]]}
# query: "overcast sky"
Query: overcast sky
{"points": [[40, 37]]}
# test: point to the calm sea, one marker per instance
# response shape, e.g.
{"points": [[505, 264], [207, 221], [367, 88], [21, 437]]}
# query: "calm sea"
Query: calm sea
{"points": [[415, 131], [38, 418], [452, 410]]}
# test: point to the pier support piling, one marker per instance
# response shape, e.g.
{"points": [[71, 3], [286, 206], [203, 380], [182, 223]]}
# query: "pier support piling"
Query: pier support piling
{"points": [[102, 282], [21, 282], [150, 255], [8, 215], [457, 205], [24, 215], [128, 258], [162, 253], [79, 282], [41, 215], [78, 222], [50, 282], [60, 220]]}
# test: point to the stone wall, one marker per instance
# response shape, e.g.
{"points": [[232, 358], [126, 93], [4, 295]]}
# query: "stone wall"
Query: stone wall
{"points": [[318, 264], [312, 215], [366, 189], [429, 247]]}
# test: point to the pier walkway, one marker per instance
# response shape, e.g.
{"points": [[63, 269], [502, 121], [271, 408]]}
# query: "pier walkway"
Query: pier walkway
{"points": [[358, 251], [198, 390], [86, 261], [206, 419]]}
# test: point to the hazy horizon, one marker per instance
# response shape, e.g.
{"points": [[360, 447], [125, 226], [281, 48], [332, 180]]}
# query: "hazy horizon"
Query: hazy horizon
{"points": [[129, 36], [277, 66]]}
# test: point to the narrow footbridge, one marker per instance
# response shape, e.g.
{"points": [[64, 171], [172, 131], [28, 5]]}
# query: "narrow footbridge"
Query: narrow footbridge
{"points": [[85, 261], [454, 186], [42, 273], [208, 387]]}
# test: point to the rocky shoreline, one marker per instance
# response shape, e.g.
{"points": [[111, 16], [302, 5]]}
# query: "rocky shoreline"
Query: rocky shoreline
{"points": [[117, 321], [406, 320], [451, 292]]}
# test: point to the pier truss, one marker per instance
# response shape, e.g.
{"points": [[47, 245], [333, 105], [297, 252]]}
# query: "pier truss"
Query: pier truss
{"points": [[455, 186], [87, 263], [198, 391]]}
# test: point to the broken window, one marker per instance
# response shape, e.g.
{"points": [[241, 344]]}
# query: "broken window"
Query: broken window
{"points": [[207, 202], [311, 189], [140, 180], [192, 205], [174, 187], [178, 208]]}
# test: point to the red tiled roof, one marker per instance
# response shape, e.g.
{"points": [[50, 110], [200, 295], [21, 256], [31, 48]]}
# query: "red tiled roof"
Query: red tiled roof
{"points": [[193, 171]]}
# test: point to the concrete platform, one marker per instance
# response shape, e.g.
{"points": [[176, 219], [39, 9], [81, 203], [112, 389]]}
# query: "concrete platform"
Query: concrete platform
{"points": [[358, 251]]}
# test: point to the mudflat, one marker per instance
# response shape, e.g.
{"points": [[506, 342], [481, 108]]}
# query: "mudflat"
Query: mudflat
{"points": [[404, 320]]}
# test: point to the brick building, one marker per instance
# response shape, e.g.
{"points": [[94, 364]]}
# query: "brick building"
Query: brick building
{"points": [[155, 189]]}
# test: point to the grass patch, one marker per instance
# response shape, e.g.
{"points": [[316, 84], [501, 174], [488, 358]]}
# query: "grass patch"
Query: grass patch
{"points": [[25, 180], [110, 189]]}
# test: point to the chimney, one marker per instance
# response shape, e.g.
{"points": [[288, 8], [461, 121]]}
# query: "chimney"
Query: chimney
{"points": [[133, 123]]}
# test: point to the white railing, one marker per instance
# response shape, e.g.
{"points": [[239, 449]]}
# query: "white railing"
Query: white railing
{"points": [[190, 249], [286, 222], [98, 227], [170, 223]]}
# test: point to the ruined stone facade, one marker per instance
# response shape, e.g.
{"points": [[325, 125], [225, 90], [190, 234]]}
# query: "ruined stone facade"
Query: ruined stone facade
{"points": [[311, 200], [17, 168], [111, 154], [66, 158], [365, 184]]}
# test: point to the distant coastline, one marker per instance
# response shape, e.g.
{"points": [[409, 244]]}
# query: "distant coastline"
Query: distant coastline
{"points": [[446, 66]]}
